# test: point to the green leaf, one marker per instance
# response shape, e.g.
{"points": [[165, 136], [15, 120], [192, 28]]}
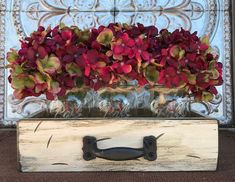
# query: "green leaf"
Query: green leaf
{"points": [[181, 53], [207, 96], [205, 40], [41, 69], [29, 83], [77, 31], [12, 56], [212, 64], [191, 79], [215, 74], [52, 65], [151, 74], [84, 35], [79, 82], [105, 37], [17, 83], [39, 78], [73, 69], [18, 69], [207, 78], [126, 26], [61, 25], [48, 64], [55, 87], [174, 51], [100, 64], [22, 82], [39, 66]]}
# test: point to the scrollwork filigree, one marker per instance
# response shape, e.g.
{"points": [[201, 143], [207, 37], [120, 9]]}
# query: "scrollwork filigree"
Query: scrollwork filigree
{"points": [[24, 107]]}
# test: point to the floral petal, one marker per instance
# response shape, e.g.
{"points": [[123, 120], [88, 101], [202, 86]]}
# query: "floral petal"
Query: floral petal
{"points": [[18, 94], [66, 34], [145, 55], [152, 74], [87, 70], [12, 56], [130, 43], [29, 82], [174, 51], [73, 69], [55, 87], [203, 47], [105, 37], [42, 52], [17, 83], [51, 65], [118, 49], [207, 96], [126, 68], [50, 96]]}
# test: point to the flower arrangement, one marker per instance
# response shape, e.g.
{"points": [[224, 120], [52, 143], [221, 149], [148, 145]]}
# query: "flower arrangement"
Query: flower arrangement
{"points": [[57, 61]]}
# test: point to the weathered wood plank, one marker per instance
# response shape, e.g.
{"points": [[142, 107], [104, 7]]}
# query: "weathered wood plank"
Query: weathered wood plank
{"points": [[51, 145]]}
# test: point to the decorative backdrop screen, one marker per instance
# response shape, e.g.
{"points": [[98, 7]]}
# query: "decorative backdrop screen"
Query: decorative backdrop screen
{"points": [[20, 17]]}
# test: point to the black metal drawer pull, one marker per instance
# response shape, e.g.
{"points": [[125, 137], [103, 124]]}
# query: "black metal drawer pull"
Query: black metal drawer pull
{"points": [[91, 151]]}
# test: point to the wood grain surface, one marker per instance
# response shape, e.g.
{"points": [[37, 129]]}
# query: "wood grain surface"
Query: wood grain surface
{"points": [[56, 145]]}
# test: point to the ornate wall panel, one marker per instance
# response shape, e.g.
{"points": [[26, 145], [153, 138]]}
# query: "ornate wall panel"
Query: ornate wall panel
{"points": [[20, 17]]}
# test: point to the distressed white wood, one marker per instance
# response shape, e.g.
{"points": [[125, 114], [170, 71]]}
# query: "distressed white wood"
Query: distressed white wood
{"points": [[187, 145]]}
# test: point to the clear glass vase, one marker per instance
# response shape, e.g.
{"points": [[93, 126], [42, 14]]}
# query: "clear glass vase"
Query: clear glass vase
{"points": [[128, 101]]}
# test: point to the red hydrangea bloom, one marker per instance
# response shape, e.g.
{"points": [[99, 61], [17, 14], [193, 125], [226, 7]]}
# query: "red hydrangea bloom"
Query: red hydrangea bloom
{"points": [[55, 61], [171, 78]]}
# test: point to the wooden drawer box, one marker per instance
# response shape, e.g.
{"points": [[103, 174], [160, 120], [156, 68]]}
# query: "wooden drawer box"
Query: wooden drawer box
{"points": [[58, 145]]}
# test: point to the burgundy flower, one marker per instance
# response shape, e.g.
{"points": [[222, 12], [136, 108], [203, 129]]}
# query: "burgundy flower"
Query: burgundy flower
{"points": [[54, 61], [121, 68], [66, 34], [171, 78]]}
